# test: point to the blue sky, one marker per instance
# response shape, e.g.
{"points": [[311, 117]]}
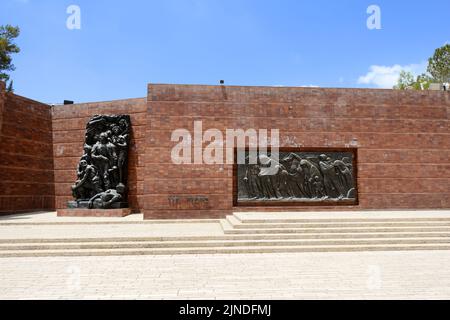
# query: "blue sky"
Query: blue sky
{"points": [[123, 45]]}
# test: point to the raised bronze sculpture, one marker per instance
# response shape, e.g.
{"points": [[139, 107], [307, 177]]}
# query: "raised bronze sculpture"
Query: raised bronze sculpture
{"points": [[101, 174], [310, 177], [104, 200]]}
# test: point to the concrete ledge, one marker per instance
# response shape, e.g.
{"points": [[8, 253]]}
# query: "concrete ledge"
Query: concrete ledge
{"points": [[94, 212]]}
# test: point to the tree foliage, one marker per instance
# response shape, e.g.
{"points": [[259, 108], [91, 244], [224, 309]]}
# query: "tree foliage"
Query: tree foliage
{"points": [[423, 82], [438, 72], [10, 87], [405, 80], [8, 34], [439, 64]]}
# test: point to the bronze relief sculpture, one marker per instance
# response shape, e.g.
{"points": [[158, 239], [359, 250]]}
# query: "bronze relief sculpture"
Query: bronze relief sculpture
{"points": [[324, 177], [102, 170]]}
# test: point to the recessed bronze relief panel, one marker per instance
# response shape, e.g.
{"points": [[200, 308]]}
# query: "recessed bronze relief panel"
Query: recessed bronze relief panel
{"points": [[296, 177]]}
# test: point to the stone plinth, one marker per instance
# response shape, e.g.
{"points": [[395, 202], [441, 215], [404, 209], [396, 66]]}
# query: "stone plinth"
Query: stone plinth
{"points": [[84, 204], [123, 212]]}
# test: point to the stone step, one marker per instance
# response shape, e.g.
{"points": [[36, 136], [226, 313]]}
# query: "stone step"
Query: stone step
{"points": [[339, 225], [336, 230], [250, 236], [222, 243], [229, 227], [341, 217], [368, 220], [240, 225], [226, 225], [221, 250]]}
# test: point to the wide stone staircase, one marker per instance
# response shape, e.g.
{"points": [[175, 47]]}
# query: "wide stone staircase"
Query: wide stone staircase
{"points": [[260, 233]]}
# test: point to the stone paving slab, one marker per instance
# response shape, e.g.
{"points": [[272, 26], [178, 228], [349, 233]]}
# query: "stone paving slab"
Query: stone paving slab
{"points": [[361, 275], [46, 225], [51, 216], [109, 230]]}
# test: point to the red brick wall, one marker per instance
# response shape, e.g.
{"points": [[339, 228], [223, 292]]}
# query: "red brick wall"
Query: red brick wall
{"points": [[403, 142], [2, 103], [26, 164], [69, 124]]}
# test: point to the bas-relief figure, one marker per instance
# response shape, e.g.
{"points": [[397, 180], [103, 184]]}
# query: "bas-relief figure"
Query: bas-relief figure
{"points": [[297, 177], [102, 170]]}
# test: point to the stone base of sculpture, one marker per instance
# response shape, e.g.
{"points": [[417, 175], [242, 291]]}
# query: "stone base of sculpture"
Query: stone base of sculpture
{"points": [[109, 213], [84, 204]]}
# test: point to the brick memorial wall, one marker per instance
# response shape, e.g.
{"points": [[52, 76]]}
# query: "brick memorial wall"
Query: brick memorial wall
{"points": [[402, 137], [26, 162], [402, 140]]}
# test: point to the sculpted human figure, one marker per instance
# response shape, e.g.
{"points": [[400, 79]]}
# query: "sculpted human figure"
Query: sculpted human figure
{"points": [[345, 175], [88, 181], [87, 154], [120, 141], [332, 184], [104, 157], [318, 190], [270, 176], [252, 182], [124, 127], [311, 171], [104, 200], [296, 175], [285, 186]]}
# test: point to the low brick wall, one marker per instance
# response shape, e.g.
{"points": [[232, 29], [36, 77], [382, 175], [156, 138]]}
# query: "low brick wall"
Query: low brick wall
{"points": [[26, 161]]}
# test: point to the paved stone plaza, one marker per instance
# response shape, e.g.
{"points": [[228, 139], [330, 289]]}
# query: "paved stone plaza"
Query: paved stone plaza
{"points": [[308, 275], [359, 275]]}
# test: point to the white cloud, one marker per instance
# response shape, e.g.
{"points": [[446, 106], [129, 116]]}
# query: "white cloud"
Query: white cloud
{"points": [[387, 76]]}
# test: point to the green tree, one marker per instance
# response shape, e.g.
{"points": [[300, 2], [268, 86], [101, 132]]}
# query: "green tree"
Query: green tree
{"points": [[405, 80], [10, 87], [422, 82], [7, 47], [438, 71], [439, 64]]}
